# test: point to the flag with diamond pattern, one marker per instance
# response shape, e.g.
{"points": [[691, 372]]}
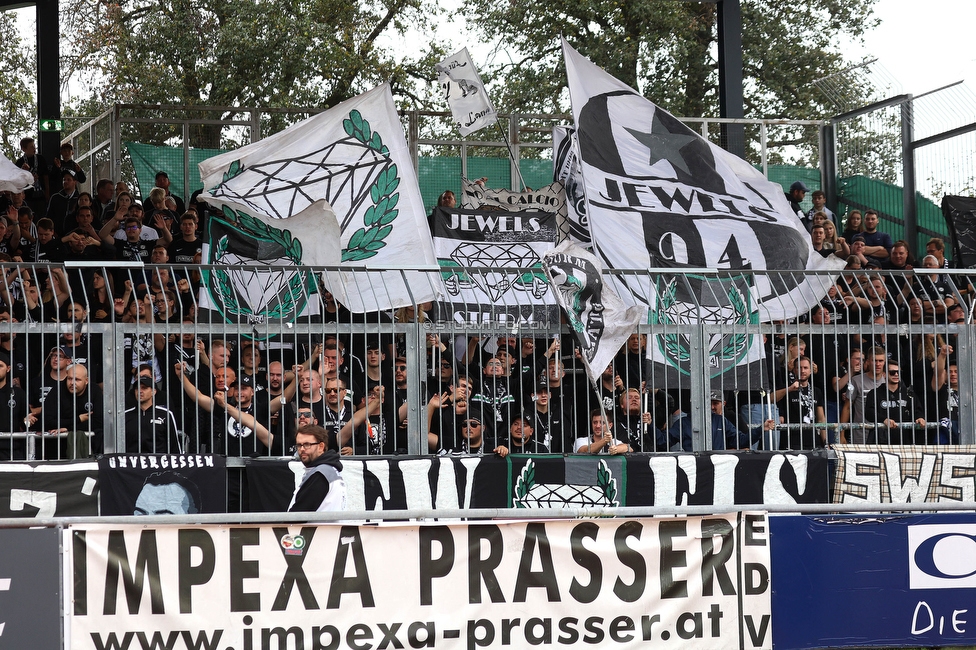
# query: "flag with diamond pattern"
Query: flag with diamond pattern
{"points": [[595, 314], [257, 271], [491, 264], [355, 157], [658, 195]]}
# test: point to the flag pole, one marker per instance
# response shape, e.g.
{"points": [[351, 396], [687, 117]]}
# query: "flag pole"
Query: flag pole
{"points": [[511, 154]]}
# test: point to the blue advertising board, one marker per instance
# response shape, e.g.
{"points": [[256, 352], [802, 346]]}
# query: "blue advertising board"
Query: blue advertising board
{"points": [[887, 580]]}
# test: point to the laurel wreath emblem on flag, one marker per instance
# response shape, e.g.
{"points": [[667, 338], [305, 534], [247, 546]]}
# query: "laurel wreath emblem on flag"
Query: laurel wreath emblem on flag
{"points": [[724, 300], [531, 494], [378, 218], [250, 284]]}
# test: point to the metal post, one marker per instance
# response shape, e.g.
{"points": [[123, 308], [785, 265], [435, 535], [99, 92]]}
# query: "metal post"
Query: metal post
{"points": [[186, 162], [416, 365], [48, 74], [115, 134], [413, 138], [828, 164], [908, 173], [730, 95], [699, 384], [255, 125], [114, 427], [967, 409]]}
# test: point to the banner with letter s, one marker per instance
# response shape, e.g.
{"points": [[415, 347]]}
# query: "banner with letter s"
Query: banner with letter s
{"points": [[694, 582], [905, 473]]}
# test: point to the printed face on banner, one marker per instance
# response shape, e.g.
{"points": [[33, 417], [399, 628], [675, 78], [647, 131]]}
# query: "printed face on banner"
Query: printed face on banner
{"points": [[691, 582]]}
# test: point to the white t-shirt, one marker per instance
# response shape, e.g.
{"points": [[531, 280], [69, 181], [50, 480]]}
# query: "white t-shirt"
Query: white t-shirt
{"points": [[582, 442], [148, 233]]}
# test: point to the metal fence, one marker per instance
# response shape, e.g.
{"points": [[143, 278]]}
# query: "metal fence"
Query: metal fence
{"points": [[94, 353], [185, 135]]}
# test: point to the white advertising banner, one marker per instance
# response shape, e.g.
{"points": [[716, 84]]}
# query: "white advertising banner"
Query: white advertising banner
{"points": [[692, 582]]}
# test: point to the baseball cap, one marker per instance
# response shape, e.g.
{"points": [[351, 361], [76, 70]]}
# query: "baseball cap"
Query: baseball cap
{"points": [[520, 417], [798, 185], [162, 174], [146, 381], [68, 172], [63, 350], [716, 396]]}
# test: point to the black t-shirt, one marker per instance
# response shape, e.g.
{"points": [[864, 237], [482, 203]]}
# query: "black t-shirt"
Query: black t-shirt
{"points": [[235, 438], [138, 251], [800, 407], [183, 252]]}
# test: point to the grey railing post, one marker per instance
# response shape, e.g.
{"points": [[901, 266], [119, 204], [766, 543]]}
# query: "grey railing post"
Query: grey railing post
{"points": [[416, 367], [114, 389], [967, 410], [699, 380]]}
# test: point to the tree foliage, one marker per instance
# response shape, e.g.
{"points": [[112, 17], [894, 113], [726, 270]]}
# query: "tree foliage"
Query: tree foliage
{"points": [[234, 53], [668, 51], [18, 68]]}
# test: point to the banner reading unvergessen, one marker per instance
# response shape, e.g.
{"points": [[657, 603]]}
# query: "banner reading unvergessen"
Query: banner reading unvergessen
{"points": [[693, 582]]}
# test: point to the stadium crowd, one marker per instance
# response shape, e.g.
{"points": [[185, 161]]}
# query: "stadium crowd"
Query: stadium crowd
{"points": [[229, 394]]}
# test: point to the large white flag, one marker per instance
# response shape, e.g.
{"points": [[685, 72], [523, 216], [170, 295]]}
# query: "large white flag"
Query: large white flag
{"points": [[660, 196], [465, 94], [355, 157], [12, 177], [596, 315]]}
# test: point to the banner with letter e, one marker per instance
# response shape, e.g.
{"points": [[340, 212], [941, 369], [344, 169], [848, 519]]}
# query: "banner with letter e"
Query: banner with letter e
{"points": [[491, 264], [694, 582]]}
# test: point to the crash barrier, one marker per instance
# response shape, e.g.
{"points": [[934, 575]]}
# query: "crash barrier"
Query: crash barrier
{"points": [[700, 374], [617, 577]]}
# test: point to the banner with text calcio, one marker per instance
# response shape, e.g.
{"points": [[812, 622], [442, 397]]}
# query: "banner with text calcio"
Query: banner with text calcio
{"points": [[694, 582]]}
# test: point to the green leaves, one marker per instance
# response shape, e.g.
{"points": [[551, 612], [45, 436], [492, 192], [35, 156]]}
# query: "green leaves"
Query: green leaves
{"points": [[357, 127], [232, 171], [379, 217], [606, 482]]}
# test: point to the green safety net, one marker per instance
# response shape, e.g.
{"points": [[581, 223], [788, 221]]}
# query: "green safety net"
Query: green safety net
{"points": [[439, 173]]}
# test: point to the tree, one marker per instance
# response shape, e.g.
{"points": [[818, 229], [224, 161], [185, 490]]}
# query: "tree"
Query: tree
{"points": [[18, 68], [240, 53], [667, 50]]}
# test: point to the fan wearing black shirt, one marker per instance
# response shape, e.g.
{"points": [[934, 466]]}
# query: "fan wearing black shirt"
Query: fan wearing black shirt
{"points": [[893, 404]]}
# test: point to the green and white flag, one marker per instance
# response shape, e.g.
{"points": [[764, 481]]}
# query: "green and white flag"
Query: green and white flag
{"points": [[596, 315], [355, 157], [254, 276]]}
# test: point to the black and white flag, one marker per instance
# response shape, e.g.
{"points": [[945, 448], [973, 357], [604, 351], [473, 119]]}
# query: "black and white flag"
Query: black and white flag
{"points": [[548, 198], [491, 264], [566, 170], [465, 94], [660, 196], [596, 315], [350, 167]]}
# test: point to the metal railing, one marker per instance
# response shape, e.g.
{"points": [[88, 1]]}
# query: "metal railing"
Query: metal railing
{"points": [[77, 355], [100, 151]]}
